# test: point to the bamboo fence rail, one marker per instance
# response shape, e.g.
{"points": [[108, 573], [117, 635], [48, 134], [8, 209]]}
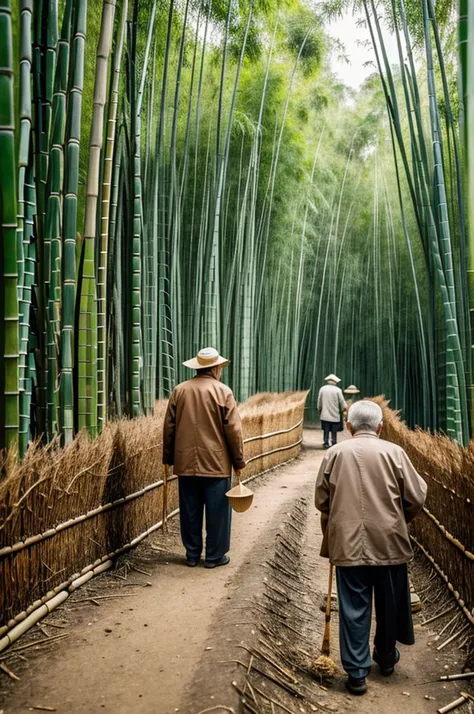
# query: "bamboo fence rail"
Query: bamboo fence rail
{"points": [[70, 510], [444, 531]]}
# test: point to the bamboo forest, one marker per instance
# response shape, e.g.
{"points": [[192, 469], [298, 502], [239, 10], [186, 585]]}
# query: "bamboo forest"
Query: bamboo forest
{"points": [[182, 173]]}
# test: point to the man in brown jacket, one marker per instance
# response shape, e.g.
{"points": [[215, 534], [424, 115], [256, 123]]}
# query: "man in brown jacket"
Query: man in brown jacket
{"points": [[202, 440], [368, 491]]}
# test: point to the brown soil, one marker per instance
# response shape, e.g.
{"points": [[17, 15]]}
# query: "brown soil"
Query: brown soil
{"points": [[170, 643]]}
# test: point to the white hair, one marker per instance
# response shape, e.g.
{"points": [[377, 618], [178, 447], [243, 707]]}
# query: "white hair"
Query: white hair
{"points": [[365, 416]]}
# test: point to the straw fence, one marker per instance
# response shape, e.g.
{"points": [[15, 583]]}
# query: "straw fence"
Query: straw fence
{"points": [[65, 512], [445, 530]]}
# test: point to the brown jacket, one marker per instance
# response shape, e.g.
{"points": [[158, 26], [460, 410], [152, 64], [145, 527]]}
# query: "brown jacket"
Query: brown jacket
{"points": [[367, 491], [202, 432]]}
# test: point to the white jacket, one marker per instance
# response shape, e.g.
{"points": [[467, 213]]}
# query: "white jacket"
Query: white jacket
{"points": [[330, 403]]}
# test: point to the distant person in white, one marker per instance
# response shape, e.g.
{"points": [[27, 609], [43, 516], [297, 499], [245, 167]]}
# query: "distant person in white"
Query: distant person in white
{"points": [[331, 404]]}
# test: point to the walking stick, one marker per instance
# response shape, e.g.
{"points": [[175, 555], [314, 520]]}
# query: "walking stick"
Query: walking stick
{"points": [[164, 518], [326, 647]]}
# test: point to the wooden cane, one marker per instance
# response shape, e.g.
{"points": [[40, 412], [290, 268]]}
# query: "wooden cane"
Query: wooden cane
{"points": [[326, 647], [164, 518]]}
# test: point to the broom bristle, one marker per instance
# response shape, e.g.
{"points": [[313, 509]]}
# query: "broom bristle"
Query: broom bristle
{"points": [[324, 667]]}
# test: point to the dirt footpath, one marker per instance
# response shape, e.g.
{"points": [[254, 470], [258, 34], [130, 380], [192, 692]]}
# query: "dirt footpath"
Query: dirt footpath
{"points": [[172, 644]]}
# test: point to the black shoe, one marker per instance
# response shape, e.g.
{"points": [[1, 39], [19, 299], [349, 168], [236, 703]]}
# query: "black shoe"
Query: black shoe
{"points": [[386, 671], [356, 685], [192, 562], [215, 563], [325, 446]]}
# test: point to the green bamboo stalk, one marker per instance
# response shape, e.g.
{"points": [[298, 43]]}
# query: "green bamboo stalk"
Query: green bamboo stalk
{"points": [[211, 304], [166, 361], [23, 231], [136, 375], [9, 419], [174, 208], [455, 367], [44, 71], [52, 226], [68, 419], [90, 378], [466, 72], [105, 209]]}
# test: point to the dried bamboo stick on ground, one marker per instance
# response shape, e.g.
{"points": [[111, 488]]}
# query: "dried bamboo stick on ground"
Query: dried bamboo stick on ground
{"points": [[249, 707], [440, 614], [284, 685], [248, 686], [101, 597], [244, 698], [267, 658], [273, 701], [40, 627], [139, 570], [9, 673], [446, 626], [452, 705], [288, 661], [451, 677], [289, 585], [454, 637], [39, 643]]}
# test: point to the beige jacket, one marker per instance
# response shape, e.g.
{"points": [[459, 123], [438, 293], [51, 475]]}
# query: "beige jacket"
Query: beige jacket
{"points": [[330, 403], [202, 431], [367, 491]]}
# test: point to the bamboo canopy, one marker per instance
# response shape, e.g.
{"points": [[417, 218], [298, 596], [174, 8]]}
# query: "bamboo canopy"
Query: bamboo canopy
{"points": [[180, 174]]}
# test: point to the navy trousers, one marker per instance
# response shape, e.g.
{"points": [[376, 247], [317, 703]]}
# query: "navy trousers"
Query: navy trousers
{"points": [[391, 590], [330, 427], [197, 493]]}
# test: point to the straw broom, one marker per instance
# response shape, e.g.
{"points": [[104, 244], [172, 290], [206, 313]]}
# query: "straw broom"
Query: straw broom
{"points": [[324, 665]]}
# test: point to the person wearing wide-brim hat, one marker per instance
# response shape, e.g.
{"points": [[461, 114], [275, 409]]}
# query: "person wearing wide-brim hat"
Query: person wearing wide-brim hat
{"points": [[202, 440], [331, 405], [353, 391]]}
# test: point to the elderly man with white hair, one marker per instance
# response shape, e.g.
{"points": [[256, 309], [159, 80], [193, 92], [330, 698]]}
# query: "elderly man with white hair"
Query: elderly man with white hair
{"points": [[368, 491]]}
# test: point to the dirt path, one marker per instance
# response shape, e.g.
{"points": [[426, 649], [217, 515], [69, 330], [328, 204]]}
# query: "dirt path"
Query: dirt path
{"points": [[168, 647]]}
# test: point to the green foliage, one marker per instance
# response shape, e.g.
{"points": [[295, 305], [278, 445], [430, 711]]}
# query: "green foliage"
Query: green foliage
{"points": [[245, 197]]}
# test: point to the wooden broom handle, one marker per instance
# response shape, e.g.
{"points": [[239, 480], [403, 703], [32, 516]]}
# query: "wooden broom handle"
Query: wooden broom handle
{"points": [[328, 600], [164, 518]]}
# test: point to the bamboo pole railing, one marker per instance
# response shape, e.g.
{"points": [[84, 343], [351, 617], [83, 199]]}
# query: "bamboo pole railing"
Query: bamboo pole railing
{"points": [[41, 607], [448, 535], [442, 574], [32, 540]]}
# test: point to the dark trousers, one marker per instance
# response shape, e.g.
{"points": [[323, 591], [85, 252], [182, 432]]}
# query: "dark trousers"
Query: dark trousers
{"points": [[330, 426], [390, 586], [195, 494]]}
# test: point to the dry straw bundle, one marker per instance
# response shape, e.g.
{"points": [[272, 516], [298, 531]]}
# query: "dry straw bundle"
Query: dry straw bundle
{"points": [[280, 418], [445, 533], [63, 509]]}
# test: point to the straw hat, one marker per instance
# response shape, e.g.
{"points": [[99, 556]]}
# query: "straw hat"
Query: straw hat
{"points": [[332, 378], [352, 389], [205, 358], [240, 498]]}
